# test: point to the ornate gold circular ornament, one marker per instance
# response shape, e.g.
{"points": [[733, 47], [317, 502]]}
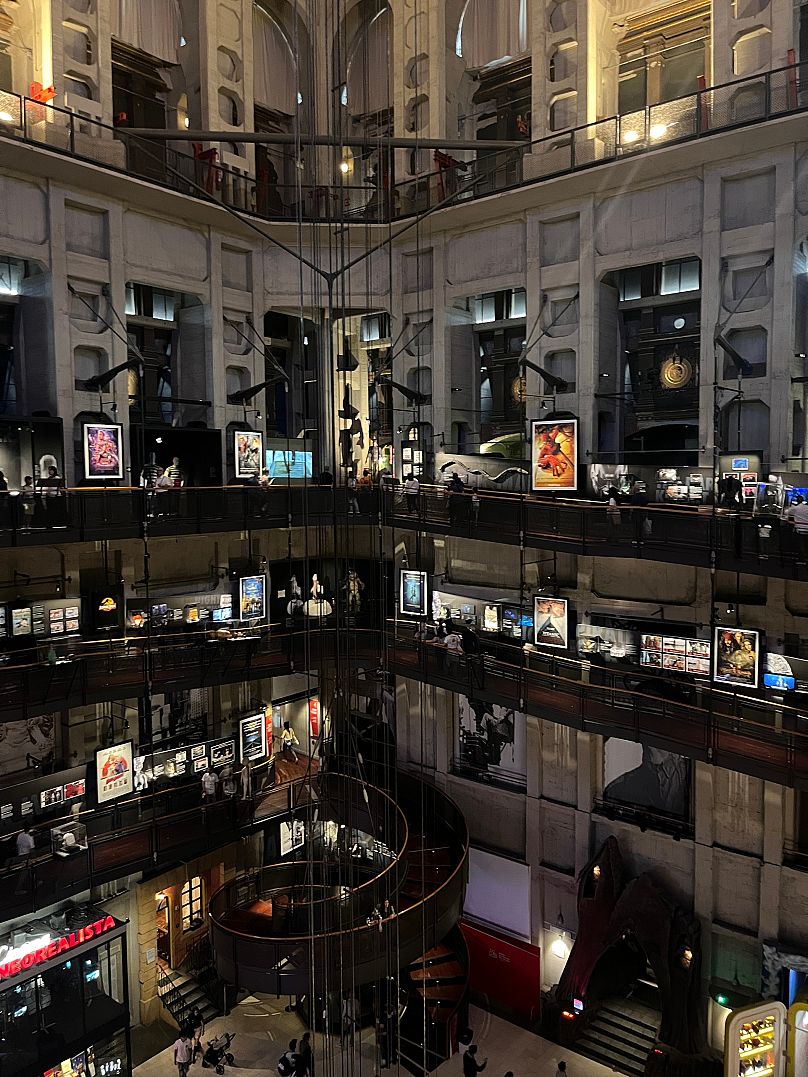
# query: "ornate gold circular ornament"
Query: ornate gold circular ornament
{"points": [[518, 389], [675, 372]]}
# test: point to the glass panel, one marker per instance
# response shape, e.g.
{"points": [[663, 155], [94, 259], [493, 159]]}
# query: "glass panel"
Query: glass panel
{"points": [[18, 1023], [103, 983], [632, 86], [60, 1005], [108, 1058], [681, 68]]}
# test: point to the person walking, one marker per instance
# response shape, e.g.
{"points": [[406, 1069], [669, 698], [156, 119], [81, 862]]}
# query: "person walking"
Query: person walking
{"points": [[464, 1041], [453, 643], [412, 489], [562, 1068], [288, 741], [287, 1063], [198, 1028], [305, 1056], [470, 1063], [209, 783], [182, 1053]]}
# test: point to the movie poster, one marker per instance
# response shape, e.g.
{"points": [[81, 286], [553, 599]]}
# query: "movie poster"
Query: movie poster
{"points": [[640, 776], [413, 593], [252, 598], [103, 451], [114, 772], [253, 738], [554, 455], [737, 656], [492, 742], [550, 622], [249, 453]]}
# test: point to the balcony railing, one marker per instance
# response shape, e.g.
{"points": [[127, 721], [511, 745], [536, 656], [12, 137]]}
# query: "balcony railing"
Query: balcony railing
{"points": [[737, 542], [719, 108]]}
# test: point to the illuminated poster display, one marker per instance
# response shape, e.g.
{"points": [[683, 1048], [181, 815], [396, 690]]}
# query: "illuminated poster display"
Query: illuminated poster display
{"points": [[736, 656], [253, 738], [413, 594], [252, 597], [554, 455], [551, 622], [249, 453], [113, 772], [103, 450]]}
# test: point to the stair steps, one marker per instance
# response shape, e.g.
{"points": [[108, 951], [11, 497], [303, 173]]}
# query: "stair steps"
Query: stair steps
{"points": [[621, 1039]]}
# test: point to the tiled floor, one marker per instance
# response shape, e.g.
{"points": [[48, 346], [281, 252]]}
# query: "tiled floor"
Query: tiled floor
{"points": [[263, 1029]]}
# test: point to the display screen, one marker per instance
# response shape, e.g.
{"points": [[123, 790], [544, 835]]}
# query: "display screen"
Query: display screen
{"points": [[780, 681], [223, 613], [289, 464]]}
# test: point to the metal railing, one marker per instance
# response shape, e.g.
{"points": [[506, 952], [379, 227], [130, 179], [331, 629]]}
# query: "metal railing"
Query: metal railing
{"points": [[745, 101]]}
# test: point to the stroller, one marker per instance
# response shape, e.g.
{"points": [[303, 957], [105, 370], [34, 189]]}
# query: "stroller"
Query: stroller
{"points": [[218, 1054]]}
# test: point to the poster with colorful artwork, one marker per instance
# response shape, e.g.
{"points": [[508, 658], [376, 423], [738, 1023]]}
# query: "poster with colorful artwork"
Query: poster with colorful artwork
{"points": [[249, 453], [413, 596], [114, 772], [550, 622], [554, 455], [103, 451], [252, 597], [736, 656]]}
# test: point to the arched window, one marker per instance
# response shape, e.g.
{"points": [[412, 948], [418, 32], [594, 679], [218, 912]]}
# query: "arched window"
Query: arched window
{"points": [[276, 85], [492, 30], [153, 26], [367, 86]]}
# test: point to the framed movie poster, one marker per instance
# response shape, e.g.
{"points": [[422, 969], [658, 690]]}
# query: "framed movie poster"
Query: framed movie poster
{"points": [[103, 450], [550, 622], [252, 738], [413, 593], [222, 753], [736, 656], [113, 772], [249, 453], [554, 455], [252, 597]]}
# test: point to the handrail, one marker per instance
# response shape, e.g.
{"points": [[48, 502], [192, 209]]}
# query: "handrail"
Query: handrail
{"points": [[698, 114]]}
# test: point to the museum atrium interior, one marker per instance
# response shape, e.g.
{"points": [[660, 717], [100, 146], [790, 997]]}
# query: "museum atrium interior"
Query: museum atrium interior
{"points": [[403, 531]]}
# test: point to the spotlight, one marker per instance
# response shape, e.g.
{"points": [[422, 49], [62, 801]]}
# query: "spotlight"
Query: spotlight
{"points": [[344, 168], [187, 122], [658, 130], [629, 137], [158, 441], [6, 117]]}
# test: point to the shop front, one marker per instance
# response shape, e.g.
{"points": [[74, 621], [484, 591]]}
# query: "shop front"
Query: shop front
{"points": [[64, 1000]]}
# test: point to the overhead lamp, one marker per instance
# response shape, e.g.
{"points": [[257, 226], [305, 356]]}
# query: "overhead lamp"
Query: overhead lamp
{"points": [[554, 383], [558, 948]]}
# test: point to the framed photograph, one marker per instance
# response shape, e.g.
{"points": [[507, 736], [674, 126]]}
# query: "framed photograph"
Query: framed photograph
{"points": [[222, 753], [249, 453], [200, 765], [26, 807], [554, 455], [413, 593], [197, 751], [6, 811], [57, 628], [252, 598], [71, 611], [21, 621], [550, 622], [74, 790], [103, 450], [56, 615], [673, 645], [699, 666], [698, 648], [113, 772], [736, 656], [252, 738], [675, 662], [651, 658], [651, 643], [48, 798], [71, 626]]}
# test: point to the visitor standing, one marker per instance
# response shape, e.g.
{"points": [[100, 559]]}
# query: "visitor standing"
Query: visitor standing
{"points": [[182, 1053], [412, 489]]}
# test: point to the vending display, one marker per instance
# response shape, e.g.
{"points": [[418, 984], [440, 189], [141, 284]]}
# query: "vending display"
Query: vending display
{"points": [[754, 1041]]}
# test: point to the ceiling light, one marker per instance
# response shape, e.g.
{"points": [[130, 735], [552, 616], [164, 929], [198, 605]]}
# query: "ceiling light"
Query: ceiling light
{"points": [[629, 137], [658, 130], [6, 117]]}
